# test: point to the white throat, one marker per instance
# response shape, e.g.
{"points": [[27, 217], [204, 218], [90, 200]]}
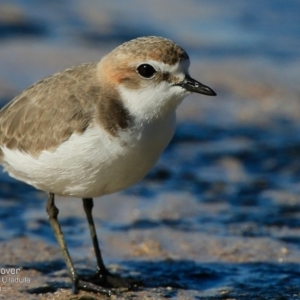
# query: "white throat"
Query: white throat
{"points": [[152, 102]]}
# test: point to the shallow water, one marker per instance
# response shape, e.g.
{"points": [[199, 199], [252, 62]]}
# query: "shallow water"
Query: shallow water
{"points": [[218, 216]]}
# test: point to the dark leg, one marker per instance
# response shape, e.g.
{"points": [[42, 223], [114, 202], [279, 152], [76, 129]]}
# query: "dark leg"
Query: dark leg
{"points": [[77, 284], [88, 205], [103, 276]]}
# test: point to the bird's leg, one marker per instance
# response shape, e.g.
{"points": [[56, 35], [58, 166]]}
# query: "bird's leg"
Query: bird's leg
{"points": [[103, 276], [88, 205], [53, 211], [77, 284]]}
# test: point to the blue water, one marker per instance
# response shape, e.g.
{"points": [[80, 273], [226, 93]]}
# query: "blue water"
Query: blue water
{"points": [[216, 29]]}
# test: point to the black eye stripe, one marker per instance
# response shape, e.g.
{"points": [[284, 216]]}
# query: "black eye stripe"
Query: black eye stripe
{"points": [[146, 71]]}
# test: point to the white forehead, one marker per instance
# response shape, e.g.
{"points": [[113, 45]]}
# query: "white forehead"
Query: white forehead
{"points": [[181, 67]]}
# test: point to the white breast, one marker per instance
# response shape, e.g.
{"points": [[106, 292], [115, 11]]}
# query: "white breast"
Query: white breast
{"points": [[93, 163]]}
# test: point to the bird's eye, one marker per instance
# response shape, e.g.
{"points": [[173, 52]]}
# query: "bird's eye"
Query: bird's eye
{"points": [[146, 71]]}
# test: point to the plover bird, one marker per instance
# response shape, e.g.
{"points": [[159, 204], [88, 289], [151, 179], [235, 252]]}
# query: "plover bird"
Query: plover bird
{"points": [[96, 129]]}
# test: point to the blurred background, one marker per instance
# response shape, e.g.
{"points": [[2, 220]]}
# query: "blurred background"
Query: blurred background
{"points": [[223, 201]]}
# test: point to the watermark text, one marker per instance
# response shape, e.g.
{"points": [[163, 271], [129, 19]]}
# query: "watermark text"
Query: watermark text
{"points": [[9, 276]]}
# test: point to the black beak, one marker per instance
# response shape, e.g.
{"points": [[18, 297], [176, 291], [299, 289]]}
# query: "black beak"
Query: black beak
{"points": [[195, 86]]}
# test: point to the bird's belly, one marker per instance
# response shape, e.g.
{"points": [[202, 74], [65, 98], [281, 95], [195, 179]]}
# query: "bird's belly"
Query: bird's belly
{"points": [[91, 164]]}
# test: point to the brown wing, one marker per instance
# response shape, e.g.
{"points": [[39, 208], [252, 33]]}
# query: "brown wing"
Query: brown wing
{"points": [[47, 113]]}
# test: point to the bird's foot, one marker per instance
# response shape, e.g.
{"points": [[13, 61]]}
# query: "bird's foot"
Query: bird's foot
{"points": [[108, 280], [90, 287], [105, 282]]}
